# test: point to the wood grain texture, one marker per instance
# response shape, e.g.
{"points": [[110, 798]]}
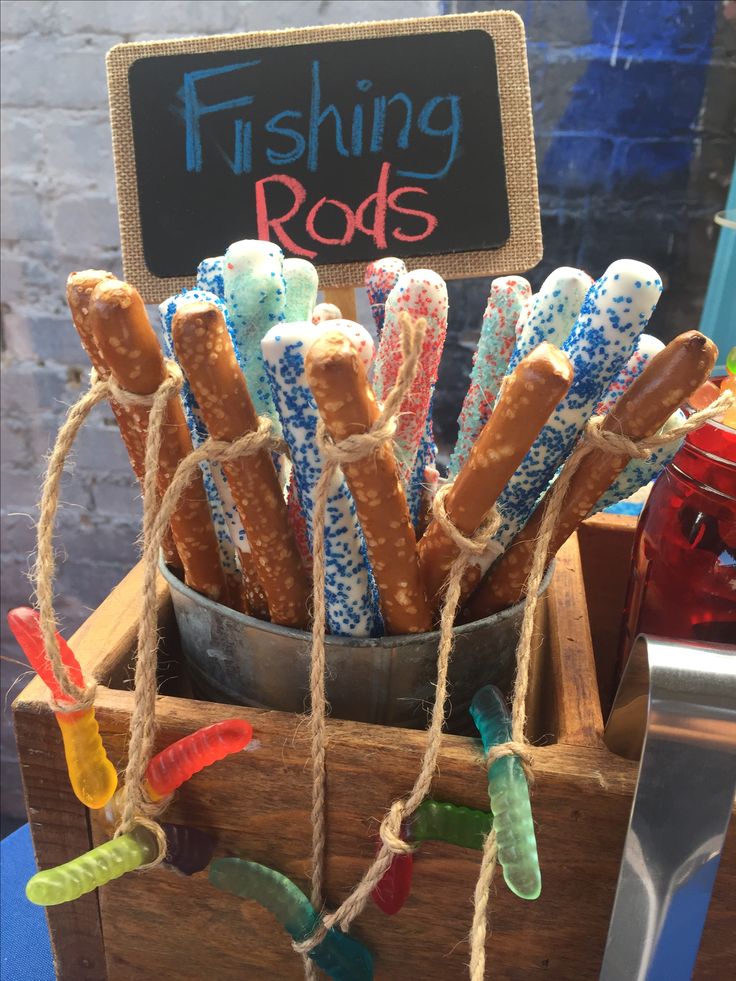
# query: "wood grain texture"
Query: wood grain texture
{"points": [[58, 822], [60, 831], [578, 716], [605, 543], [256, 804]]}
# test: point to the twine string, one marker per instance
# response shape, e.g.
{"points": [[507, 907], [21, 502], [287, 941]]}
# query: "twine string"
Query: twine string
{"points": [[350, 450], [594, 437], [137, 807]]}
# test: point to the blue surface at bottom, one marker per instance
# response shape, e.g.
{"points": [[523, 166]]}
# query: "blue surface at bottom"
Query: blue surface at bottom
{"points": [[25, 948]]}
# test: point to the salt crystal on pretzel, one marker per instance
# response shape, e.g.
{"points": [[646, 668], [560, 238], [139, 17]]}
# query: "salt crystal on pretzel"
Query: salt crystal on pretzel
{"points": [[490, 361], [646, 348], [666, 382], [348, 406], [79, 287], [351, 598], [130, 347], [527, 397], [205, 351]]}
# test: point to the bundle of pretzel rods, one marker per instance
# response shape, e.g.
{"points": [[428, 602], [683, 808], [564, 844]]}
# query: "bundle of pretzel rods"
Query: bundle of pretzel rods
{"points": [[255, 349]]}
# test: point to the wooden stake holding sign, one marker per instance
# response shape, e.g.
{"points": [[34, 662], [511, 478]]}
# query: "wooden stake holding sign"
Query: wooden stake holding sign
{"points": [[340, 144]]}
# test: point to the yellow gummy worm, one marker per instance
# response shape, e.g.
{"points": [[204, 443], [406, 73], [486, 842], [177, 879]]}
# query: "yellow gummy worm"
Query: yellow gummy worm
{"points": [[92, 775]]}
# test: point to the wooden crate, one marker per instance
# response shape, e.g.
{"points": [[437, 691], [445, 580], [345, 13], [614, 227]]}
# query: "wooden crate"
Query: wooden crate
{"points": [[158, 924]]}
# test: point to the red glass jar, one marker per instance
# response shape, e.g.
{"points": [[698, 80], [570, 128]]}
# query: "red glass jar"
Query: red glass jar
{"points": [[683, 578]]}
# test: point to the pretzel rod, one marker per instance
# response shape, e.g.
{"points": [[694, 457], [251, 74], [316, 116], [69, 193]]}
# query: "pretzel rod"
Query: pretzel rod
{"points": [[79, 287], [638, 473], [615, 311], [231, 537], [209, 276], [421, 294], [490, 360], [549, 315], [380, 278], [205, 351], [325, 311], [301, 282], [528, 396], [665, 383], [425, 477], [130, 347], [255, 295], [197, 428], [348, 406], [646, 348], [351, 598]]}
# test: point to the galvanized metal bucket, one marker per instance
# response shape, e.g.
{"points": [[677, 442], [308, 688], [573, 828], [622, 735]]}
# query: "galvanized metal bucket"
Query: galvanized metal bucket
{"points": [[239, 660]]}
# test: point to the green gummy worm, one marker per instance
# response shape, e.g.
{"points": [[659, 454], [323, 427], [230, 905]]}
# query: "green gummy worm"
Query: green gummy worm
{"points": [[509, 795], [436, 821], [95, 868]]}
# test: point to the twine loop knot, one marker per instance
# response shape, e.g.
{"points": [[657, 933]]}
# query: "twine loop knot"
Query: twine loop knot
{"points": [[390, 830], [469, 546], [81, 702], [170, 386], [604, 439], [517, 748]]}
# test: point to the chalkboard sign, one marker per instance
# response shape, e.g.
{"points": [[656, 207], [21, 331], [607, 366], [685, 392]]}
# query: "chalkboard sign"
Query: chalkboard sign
{"points": [[338, 147]]}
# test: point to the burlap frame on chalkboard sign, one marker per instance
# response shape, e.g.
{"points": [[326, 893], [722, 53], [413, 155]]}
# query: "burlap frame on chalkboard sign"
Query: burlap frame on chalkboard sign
{"points": [[524, 246]]}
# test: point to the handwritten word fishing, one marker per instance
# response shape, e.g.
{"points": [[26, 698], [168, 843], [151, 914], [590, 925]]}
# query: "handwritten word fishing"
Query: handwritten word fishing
{"points": [[292, 135]]}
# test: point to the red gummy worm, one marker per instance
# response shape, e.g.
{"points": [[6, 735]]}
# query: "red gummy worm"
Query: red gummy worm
{"points": [[393, 890], [178, 762], [26, 626]]}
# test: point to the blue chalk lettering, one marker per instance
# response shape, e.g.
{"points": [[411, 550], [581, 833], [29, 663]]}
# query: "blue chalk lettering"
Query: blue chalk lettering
{"points": [[242, 162], [272, 126], [194, 109], [356, 138], [317, 117], [453, 130], [380, 104]]}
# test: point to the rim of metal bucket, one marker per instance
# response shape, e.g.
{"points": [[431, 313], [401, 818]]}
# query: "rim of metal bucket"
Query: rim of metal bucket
{"points": [[340, 640]]}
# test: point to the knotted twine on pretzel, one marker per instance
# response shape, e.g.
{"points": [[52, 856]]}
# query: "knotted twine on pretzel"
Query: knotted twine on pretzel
{"points": [[137, 807], [469, 548], [593, 438]]}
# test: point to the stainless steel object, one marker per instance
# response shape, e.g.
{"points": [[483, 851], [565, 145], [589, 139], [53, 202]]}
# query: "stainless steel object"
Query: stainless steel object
{"points": [[390, 680], [676, 706]]}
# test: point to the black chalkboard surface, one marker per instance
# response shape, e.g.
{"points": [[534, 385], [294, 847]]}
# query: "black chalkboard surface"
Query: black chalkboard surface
{"points": [[338, 151]]}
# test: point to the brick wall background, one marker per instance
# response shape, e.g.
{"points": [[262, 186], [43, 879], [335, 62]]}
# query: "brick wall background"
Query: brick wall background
{"points": [[634, 107]]}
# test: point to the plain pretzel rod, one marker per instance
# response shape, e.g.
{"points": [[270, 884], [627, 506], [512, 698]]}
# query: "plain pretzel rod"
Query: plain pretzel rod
{"points": [[348, 407], [79, 287], [205, 352], [664, 384], [527, 398], [129, 346]]}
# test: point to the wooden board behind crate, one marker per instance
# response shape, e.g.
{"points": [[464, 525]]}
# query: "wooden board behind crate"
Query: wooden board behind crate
{"points": [[257, 804]]}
